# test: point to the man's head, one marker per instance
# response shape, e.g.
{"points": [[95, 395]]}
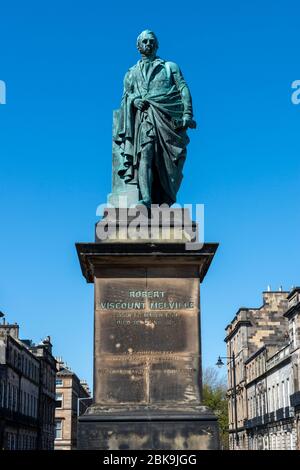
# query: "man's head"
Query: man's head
{"points": [[147, 43]]}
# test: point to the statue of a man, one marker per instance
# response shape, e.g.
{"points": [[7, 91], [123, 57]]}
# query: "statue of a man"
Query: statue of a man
{"points": [[155, 113]]}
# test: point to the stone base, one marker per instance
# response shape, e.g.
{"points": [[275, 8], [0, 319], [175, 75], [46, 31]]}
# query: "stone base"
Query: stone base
{"points": [[147, 349], [149, 431], [142, 225]]}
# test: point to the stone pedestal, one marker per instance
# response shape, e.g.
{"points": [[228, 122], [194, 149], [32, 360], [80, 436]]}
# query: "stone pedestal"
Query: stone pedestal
{"points": [[147, 353], [195, 429]]}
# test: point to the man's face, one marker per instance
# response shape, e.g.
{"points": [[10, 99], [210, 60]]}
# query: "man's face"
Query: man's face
{"points": [[147, 45]]}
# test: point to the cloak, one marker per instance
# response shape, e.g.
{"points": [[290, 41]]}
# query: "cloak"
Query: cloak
{"points": [[160, 123]]}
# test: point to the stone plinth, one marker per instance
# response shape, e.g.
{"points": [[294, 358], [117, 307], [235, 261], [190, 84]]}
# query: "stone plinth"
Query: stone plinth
{"points": [[139, 225], [146, 430], [147, 349]]}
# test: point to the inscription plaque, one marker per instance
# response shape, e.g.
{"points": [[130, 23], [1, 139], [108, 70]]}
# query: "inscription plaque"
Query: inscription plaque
{"points": [[151, 324]]}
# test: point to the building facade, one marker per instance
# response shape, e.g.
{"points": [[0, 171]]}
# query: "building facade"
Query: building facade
{"points": [[46, 412], [22, 375], [72, 399], [293, 316], [263, 374]]}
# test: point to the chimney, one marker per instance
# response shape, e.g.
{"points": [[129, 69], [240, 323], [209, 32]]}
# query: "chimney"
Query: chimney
{"points": [[9, 330], [59, 363], [47, 344]]}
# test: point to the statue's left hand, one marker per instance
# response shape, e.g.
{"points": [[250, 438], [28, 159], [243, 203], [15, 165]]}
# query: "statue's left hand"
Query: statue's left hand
{"points": [[142, 105], [189, 122]]}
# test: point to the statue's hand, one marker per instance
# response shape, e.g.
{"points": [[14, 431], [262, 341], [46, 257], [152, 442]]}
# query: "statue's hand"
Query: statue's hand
{"points": [[189, 122], [141, 104]]}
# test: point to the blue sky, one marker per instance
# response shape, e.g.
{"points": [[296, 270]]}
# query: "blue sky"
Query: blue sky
{"points": [[63, 64]]}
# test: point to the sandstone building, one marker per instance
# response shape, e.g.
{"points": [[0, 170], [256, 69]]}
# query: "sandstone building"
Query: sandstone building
{"points": [[264, 405], [27, 391], [72, 399]]}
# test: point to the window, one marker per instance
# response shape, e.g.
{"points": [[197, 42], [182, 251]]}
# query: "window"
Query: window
{"points": [[270, 404], [59, 382], [10, 398], [35, 407], [293, 341], [283, 395], [16, 399], [12, 441], [13, 395], [258, 404], [287, 392], [58, 429], [2, 388], [59, 400], [263, 406]]}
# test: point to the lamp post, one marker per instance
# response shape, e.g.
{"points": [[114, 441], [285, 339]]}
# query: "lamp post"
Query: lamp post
{"points": [[219, 364]]}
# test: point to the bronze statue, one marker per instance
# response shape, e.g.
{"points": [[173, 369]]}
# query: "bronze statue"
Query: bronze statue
{"points": [[150, 128]]}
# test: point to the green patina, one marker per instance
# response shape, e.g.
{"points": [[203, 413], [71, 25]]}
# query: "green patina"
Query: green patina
{"points": [[150, 129]]}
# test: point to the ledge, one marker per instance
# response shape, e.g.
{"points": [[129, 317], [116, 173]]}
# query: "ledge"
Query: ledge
{"points": [[93, 255]]}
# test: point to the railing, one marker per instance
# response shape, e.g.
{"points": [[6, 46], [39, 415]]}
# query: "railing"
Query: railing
{"points": [[281, 413], [278, 357], [17, 417], [254, 422], [295, 399]]}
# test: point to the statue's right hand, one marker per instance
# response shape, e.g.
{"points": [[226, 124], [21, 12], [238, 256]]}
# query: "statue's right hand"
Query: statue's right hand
{"points": [[141, 104]]}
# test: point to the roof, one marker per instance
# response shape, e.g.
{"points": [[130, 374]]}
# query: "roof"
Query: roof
{"points": [[65, 371], [293, 291]]}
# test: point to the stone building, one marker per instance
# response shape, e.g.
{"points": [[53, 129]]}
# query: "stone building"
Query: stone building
{"points": [[270, 423], [72, 398], [43, 352], [264, 342], [26, 383], [293, 316]]}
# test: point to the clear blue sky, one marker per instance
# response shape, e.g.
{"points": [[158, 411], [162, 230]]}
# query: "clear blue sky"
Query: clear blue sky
{"points": [[63, 63]]}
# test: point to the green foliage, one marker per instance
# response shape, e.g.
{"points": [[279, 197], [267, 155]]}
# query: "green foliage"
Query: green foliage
{"points": [[214, 396]]}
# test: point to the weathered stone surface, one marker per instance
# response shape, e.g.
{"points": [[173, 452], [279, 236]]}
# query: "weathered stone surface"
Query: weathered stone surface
{"points": [[140, 225], [147, 349], [169, 431]]}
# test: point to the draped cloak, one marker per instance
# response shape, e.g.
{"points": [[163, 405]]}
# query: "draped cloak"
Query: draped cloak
{"points": [[161, 123]]}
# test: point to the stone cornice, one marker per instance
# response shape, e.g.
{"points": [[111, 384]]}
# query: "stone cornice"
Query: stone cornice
{"points": [[92, 255]]}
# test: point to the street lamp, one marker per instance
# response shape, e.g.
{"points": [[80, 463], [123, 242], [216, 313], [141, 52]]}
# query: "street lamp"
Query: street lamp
{"points": [[219, 364]]}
